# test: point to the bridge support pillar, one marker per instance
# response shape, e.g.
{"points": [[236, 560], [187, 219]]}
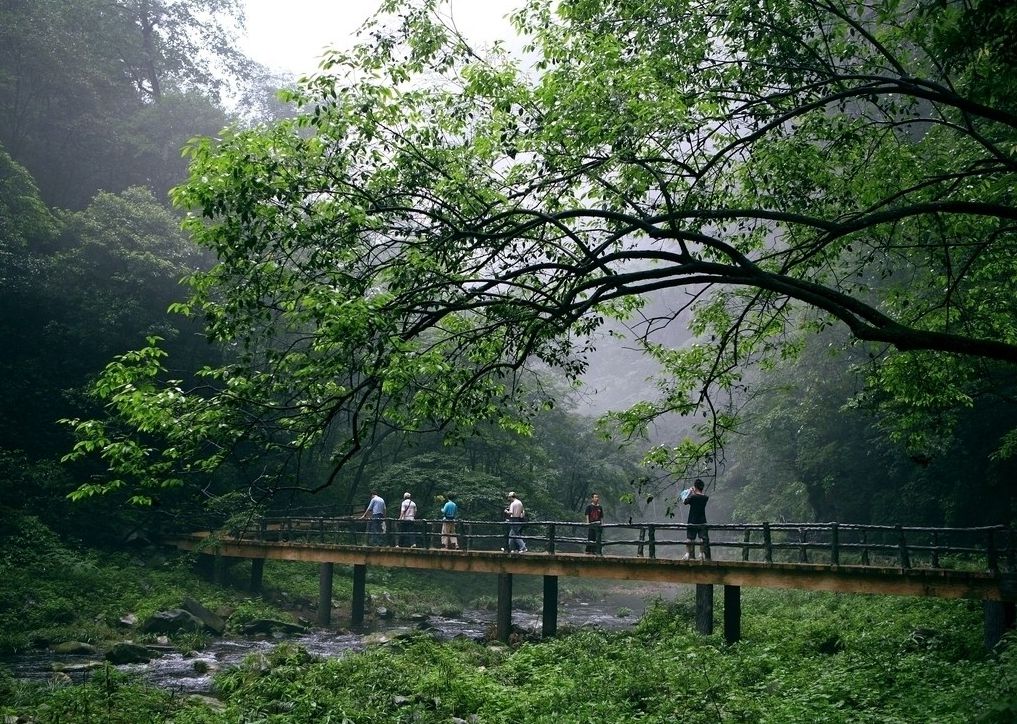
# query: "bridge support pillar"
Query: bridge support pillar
{"points": [[732, 614], [704, 608], [257, 573], [219, 569], [1000, 617], [359, 591], [550, 622], [503, 624], [325, 571]]}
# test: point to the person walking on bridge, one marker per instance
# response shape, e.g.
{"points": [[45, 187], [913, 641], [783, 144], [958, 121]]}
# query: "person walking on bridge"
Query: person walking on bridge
{"points": [[516, 515], [696, 499], [407, 516], [449, 512], [594, 516], [376, 511]]}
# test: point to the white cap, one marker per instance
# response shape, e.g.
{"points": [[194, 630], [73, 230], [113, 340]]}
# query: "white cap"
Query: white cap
{"points": [[407, 495]]}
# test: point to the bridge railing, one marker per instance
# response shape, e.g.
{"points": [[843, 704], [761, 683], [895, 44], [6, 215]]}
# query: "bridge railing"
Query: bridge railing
{"points": [[988, 548]]}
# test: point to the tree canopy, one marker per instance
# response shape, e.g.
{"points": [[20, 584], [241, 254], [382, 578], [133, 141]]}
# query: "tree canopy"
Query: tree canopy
{"points": [[441, 224]]}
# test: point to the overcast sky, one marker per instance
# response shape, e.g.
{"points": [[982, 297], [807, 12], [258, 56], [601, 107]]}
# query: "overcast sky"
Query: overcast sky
{"points": [[291, 34]]}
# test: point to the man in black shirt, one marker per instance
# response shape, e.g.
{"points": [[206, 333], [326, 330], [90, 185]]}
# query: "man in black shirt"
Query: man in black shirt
{"points": [[696, 500]]}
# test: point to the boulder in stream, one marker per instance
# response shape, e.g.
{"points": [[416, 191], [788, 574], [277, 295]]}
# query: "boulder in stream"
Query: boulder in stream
{"points": [[174, 620], [211, 621], [269, 626], [128, 652], [74, 648], [379, 638]]}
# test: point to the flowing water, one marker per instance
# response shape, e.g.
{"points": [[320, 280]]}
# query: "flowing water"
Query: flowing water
{"points": [[193, 673]]}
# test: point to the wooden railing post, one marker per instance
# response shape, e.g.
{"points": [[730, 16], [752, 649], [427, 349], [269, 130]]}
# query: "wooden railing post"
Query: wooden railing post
{"points": [[427, 534], [767, 544], [935, 549], [803, 535], [745, 548], [651, 534], [834, 545], [902, 546], [707, 555], [642, 536], [550, 538], [865, 548], [468, 532], [599, 535]]}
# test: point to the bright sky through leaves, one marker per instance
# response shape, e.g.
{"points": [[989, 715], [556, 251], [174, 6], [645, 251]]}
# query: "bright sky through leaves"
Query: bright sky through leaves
{"points": [[291, 35]]}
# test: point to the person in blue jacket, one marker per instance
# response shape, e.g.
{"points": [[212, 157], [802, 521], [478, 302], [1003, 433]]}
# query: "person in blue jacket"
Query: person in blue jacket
{"points": [[449, 511]]}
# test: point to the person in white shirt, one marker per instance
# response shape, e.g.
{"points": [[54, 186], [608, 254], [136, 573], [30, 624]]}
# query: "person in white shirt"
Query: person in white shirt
{"points": [[407, 514], [516, 516]]}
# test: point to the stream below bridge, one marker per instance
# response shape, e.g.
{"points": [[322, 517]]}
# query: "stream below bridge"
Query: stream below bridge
{"points": [[617, 610]]}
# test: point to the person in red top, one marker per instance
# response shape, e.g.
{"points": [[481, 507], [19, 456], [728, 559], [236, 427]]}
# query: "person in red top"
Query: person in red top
{"points": [[594, 515]]}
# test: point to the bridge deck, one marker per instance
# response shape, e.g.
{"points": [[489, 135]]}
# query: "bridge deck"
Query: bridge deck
{"points": [[935, 582]]}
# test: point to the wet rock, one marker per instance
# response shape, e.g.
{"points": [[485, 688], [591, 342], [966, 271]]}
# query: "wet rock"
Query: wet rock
{"points": [[419, 617], [75, 668], [59, 678], [174, 620], [376, 639], [211, 621], [270, 626], [209, 702], [74, 648], [128, 652], [128, 620], [401, 701], [379, 638], [203, 666], [382, 612]]}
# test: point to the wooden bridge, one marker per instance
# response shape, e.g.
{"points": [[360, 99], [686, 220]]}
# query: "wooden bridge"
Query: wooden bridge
{"points": [[975, 563]]}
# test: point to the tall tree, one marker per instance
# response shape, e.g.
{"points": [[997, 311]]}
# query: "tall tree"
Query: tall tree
{"points": [[436, 222], [78, 82]]}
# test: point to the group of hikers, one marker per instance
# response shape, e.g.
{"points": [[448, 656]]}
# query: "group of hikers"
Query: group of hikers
{"points": [[515, 514]]}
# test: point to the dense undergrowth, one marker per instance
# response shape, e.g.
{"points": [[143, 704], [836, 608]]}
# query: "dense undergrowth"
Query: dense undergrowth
{"points": [[803, 658]]}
